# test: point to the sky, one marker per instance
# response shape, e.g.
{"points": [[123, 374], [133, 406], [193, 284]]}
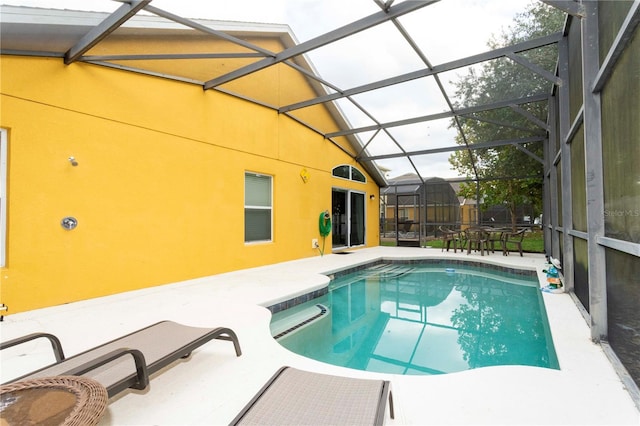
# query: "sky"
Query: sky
{"points": [[444, 31]]}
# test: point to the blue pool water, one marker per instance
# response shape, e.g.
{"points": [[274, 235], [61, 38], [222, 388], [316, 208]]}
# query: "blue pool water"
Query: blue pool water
{"points": [[422, 319]]}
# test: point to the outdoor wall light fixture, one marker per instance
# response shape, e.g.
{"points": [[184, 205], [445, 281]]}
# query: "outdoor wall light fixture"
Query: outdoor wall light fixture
{"points": [[372, 197], [73, 161]]}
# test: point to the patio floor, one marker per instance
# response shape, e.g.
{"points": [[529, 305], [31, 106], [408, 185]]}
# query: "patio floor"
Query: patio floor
{"points": [[213, 384]]}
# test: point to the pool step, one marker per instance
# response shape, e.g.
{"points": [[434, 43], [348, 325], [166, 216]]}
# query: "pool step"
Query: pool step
{"points": [[377, 272], [387, 271], [295, 321]]}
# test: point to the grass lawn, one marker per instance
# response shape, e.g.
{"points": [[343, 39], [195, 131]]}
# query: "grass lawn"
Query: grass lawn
{"points": [[533, 242]]}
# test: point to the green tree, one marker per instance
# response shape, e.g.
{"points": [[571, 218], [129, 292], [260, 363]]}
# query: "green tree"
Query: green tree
{"points": [[503, 79]]}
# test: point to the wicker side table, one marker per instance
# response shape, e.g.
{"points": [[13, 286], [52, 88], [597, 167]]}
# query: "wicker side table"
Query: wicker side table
{"points": [[60, 400]]}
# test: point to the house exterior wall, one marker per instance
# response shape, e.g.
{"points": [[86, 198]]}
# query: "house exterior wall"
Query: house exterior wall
{"points": [[468, 216], [158, 191]]}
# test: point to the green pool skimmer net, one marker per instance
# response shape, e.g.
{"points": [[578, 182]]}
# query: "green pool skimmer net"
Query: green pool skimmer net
{"points": [[325, 228]]}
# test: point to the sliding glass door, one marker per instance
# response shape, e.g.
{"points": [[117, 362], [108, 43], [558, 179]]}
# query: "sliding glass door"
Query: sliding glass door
{"points": [[348, 218], [356, 234]]}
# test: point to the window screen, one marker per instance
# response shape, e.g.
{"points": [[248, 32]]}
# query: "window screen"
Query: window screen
{"points": [[257, 208]]}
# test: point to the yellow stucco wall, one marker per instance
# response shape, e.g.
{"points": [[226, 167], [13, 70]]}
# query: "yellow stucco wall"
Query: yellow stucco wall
{"points": [[468, 216], [159, 187]]}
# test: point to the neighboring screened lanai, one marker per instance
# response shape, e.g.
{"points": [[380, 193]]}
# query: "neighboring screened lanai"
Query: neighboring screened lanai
{"points": [[383, 70], [412, 209]]}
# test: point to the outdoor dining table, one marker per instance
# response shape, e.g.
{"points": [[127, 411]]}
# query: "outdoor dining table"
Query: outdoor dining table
{"points": [[497, 235], [477, 239], [58, 400]]}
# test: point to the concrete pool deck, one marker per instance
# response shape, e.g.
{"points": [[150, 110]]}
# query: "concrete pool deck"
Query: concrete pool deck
{"points": [[213, 384]]}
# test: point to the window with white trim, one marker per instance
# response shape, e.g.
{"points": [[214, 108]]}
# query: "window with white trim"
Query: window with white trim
{"points": [[346, 171], [258, 207]]}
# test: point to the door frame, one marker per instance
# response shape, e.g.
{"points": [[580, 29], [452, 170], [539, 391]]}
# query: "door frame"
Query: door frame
{"points": [[4, 140], [348, 192]]}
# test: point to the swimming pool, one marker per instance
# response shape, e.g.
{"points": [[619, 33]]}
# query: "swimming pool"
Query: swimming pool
{"points": [[422, 320]]}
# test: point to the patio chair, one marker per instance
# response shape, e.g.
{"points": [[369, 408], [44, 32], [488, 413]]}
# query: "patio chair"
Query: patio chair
{"points": [[127, 362], [296, 397], [496, 236], [477, 239], [448, 237], [514, 238]]}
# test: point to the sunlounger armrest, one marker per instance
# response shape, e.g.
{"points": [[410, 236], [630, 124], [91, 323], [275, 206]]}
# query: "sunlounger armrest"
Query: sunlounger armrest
{"points": [[138, 357], [55, 343]]}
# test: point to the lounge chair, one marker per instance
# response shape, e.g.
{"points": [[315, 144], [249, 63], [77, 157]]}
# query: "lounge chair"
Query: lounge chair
{"points": [[296, 397], [128, 361]]}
